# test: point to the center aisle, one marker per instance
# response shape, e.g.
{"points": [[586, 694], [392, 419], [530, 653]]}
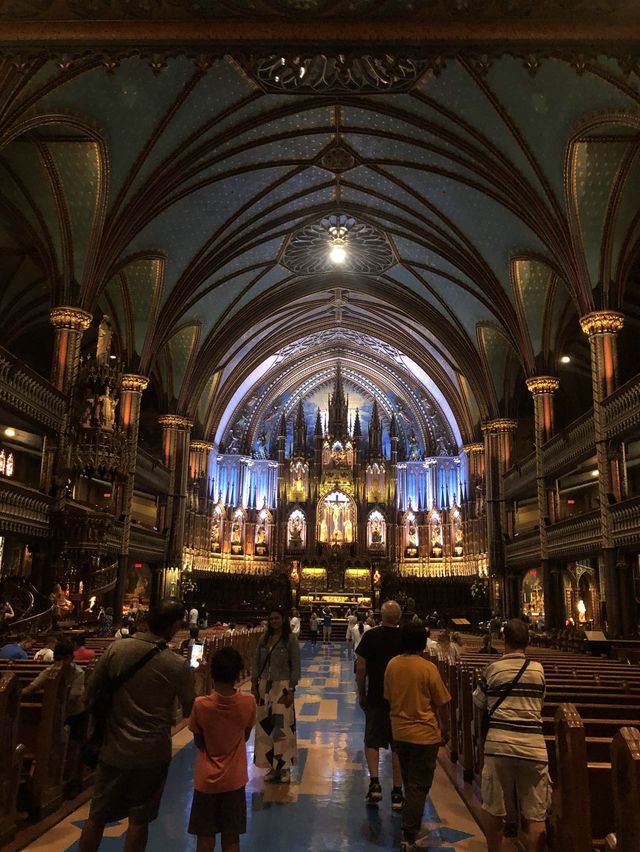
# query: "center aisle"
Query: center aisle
{"points": [[323, 809]]}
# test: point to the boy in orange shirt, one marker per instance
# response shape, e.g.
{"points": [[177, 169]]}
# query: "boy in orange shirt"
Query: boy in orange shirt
{"points": [[221, 724], [419, 724]]}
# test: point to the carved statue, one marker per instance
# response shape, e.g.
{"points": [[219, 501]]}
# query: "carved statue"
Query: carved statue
{"points": [[87, 414], [348, 530], [235, 533], [414, 447], [215, 533], [106, 411], [413, 534], [105, 333], [261, 536], [324, 530], [441, 444], [261, 448], [233, 442]]}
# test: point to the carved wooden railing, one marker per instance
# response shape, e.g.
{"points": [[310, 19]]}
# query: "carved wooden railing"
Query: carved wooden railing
{"points": [[523, 548], [24, 510], [569, 446], [575, 536], [521, 478], [626, 522], [103, 580], [25, 391], [38, 623], [622, 410]]}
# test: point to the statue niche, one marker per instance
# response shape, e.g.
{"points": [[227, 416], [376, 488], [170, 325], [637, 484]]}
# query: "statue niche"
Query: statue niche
{"points": [[296, 530], [336, 519], [376, 529]]}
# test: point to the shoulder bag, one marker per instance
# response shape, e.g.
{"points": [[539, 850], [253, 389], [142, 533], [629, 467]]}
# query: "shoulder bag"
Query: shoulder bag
{"points": [[505, 692]]}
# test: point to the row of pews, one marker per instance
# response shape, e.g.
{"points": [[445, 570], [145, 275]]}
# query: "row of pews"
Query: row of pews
{"points": [[40, 765], [590, 723]]}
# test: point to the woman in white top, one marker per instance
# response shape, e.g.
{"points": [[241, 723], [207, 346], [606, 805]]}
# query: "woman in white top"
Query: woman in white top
{"points": [[294, 621]]}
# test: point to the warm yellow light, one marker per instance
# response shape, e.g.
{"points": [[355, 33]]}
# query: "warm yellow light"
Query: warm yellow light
{"points": [[337, 253], [10, 432], [594, 473], [565, 359]]}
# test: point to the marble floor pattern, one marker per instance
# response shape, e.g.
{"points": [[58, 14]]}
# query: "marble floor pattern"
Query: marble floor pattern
{"points": [[323, 809]]}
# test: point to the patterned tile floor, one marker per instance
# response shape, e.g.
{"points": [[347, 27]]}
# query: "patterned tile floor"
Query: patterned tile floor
{"points": [[323, 809]]}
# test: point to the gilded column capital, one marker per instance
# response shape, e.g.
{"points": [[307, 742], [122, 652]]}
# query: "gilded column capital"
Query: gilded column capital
{"points": [[69, 317], [602, 322], [473, 449], [543, 384], [175, 421], [204, 446], [500, 424], [134, 383]]}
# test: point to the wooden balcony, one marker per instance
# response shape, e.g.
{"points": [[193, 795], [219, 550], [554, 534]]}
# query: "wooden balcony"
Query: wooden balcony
{"points": [[24, 510], [29, 394]]}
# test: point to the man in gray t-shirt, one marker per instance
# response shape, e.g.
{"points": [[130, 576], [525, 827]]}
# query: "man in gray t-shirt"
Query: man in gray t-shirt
{"points": [[135, 755]]}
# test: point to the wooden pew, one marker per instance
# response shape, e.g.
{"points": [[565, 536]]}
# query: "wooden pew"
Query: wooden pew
{"points": [[43, 734], [10, 755], [625, 759], [569, 826]]}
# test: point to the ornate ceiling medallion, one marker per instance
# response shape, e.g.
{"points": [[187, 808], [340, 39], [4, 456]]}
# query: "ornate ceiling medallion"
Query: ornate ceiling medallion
{"points": [[368, 249], [339, 72], [337, 159]]}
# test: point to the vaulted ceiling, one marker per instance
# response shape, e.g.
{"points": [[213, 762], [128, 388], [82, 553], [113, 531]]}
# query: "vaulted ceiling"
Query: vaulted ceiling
{"points": [[490, 200]]}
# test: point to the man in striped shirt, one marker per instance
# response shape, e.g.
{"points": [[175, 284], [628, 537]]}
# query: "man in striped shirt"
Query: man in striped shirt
{"points": [[515, 755]]}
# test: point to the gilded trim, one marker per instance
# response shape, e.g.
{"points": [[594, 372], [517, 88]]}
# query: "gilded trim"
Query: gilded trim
{"points": [[132, 382], [175, 421], [602, 322], [473, 449], [543, 384], [500, 424], [204, 446], [68, 317]]}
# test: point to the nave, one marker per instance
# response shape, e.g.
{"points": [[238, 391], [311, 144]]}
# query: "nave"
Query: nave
{"points": [[323, 809]]}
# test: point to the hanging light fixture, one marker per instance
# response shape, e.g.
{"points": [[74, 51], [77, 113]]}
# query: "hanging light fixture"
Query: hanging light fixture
{"points": [[338, 244]]}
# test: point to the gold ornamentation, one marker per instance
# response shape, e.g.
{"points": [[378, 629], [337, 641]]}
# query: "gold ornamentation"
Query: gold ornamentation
{"points": [[543, 384], [602, 322], [473, 449], [500, 424], [205, 446], [134, 383], [67, 317], [175, 421]]}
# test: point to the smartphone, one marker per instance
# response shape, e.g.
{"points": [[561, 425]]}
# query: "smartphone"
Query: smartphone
{"points": [[197, 650]]}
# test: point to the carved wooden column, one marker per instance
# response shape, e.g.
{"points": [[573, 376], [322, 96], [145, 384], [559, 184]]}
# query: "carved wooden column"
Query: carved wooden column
{"points": [[542, 388], [132, 387], [175, 445], [475, 531], [602, 327], [497, 451], [201, 515], [69, 325]]}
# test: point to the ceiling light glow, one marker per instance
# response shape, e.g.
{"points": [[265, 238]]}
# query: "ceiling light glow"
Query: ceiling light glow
{"points": [[565, 359], [337, 253], [594, 473], [10, 432]]}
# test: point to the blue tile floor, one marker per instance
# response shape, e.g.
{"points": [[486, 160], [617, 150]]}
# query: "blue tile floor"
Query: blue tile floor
{"points": [[323, 809]]}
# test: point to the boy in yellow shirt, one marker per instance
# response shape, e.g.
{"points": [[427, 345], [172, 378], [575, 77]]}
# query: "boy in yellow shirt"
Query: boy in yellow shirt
{"points": [[418, 698]]}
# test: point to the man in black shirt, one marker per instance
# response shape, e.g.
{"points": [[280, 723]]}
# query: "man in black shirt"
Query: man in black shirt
{"points": [[376, 648]]}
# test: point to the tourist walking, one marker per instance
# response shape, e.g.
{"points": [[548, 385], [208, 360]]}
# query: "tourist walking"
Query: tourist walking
{"points": [[419, 722], [327, 620], [376, 647], [515, 755], [136, 752], [221, 723], [314, 623], [274, 677], [294, 622]]}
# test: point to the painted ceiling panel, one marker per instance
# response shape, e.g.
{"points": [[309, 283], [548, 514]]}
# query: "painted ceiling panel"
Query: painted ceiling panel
{"points": [[186, 225], [497, 351], [78, 167], [626, 213], [205, 397], [212, 306], [557, 315], [180, 348], [28, 168], [557, 98], [144, 278], [532, 280], [125, 106], [115, 304], [595, 166], [469, 397], [479, 217]]}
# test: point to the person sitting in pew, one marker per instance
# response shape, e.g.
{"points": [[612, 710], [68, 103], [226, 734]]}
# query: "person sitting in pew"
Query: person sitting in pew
{"points": [[487, 647], [81, 653], [62, 658], [186, 644], [515, 754], [45, 655], [17, 650]]}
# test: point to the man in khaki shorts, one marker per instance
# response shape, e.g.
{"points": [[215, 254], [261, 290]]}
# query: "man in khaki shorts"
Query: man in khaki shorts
{"points": [[515, 755], [135, 756]]}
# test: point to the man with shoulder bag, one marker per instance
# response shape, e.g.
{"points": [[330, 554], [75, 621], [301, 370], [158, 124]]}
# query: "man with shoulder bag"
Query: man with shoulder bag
{"points": [[137, 680], [511, 697]]}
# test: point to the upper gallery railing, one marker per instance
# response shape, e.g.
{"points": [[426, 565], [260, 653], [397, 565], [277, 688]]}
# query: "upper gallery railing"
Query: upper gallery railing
{"points": [[33, 396]]}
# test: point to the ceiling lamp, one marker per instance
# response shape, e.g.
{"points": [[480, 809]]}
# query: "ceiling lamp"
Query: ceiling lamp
{"points": [[10, 432], [338, 244], [565, 359]]}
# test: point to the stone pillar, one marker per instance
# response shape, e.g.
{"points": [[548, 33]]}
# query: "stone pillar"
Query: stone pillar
{"points": [[175, 447], [198, 473], [602, 327], [497, 450], [130, 396], [543, 388], [475, 542], [69, 325]]}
